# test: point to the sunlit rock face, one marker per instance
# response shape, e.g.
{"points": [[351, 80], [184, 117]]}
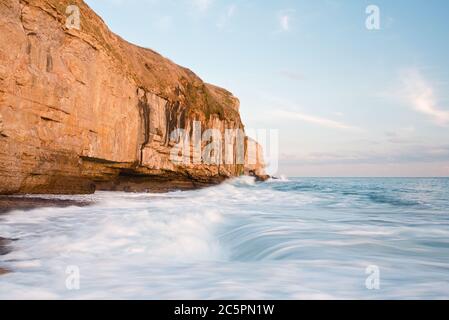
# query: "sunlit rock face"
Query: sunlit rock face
{"points": [[83, 110]]}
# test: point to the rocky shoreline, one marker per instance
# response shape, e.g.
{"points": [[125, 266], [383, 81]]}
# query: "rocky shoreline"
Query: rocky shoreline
{"points": [[11, 203], [5, 248], [4, 271]]}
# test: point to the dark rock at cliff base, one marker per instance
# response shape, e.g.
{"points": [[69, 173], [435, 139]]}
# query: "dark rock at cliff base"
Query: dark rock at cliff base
{"points": [[5, 247], [259, 177], [9, 203], [4, 271], [82, 108]]}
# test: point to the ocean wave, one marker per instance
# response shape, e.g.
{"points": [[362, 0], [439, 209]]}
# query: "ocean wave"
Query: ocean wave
{"points": [[306, 238], [392, 200]]}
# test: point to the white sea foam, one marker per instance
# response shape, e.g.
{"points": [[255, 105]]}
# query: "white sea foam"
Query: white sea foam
{"points": [[306, 238]]}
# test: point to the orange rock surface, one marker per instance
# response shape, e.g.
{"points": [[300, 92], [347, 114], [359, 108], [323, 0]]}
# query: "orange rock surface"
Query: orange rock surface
{"points": [[84, 110]]}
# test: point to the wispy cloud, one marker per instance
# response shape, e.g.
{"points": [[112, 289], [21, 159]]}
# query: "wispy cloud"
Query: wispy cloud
{"points": [[292, 75], [284, 109], [285, 19], [379, 154], [226, 16], [324, 122], [285, 22], [404, 135], [201, 5], [420, 94]]}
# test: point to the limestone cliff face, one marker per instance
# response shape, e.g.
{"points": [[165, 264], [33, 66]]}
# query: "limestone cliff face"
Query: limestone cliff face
{"points": [[84, 109]]}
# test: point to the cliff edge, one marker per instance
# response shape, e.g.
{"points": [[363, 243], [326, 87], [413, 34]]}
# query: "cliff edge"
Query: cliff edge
{"points": [[82, 109]]}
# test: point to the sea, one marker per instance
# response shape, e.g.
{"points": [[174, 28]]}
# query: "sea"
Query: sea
{"points": [[289, 238]]}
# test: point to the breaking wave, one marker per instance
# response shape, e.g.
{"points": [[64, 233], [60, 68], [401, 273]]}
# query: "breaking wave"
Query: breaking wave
{"points": [[285, 239]]}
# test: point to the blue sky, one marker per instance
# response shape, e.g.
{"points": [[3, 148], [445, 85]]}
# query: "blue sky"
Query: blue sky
{"points": [[347, 101]]}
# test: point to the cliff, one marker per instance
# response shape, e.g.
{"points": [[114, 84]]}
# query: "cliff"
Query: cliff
{"points": [[84, 110]]}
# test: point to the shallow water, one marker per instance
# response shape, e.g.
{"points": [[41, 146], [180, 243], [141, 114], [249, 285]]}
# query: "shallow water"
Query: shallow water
{"points": [[285, 239]]}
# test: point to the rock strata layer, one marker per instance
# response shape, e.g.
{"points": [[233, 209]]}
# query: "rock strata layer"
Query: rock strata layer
{"points": [[84, 110]]}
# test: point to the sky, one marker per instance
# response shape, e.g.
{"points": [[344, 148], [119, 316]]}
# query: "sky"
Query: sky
{"points": [[345, 99]]}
